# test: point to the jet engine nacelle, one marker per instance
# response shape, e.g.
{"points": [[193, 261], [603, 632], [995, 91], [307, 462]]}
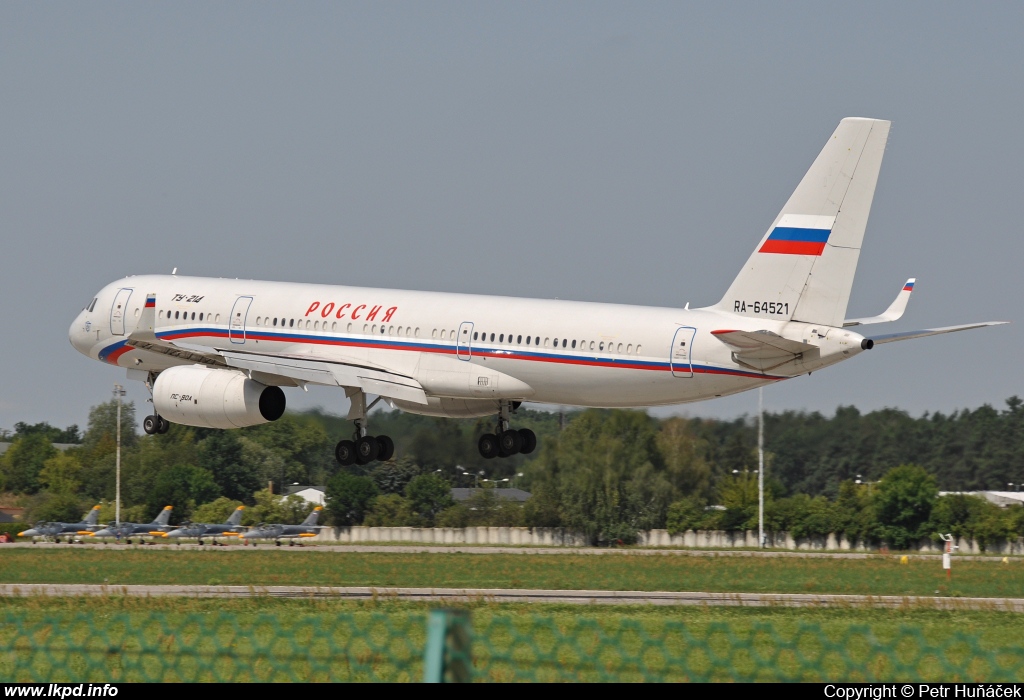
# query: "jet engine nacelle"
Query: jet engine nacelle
{"points": [[450, 408], [215, 398]]}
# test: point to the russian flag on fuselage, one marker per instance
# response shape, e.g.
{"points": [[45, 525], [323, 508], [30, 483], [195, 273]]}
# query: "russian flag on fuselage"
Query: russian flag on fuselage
{"points": [[799, 234]]}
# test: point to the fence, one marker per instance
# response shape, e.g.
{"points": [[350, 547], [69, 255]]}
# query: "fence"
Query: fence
{"points": [[560, 537], [449, 646]]}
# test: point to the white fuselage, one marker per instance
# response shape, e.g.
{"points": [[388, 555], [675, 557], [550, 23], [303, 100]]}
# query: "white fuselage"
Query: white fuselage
{"points": [[567, 352]]}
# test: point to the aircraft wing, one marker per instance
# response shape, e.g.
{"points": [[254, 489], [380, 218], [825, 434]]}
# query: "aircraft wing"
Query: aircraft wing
{"points": [[907, 335], [762, 350], [295, 369]]}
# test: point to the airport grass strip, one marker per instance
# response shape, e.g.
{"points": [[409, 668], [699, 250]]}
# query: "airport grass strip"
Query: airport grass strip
{"points": [[273, 567]]}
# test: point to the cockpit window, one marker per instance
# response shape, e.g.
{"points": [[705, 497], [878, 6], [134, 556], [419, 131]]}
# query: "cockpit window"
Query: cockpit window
{"points": [[92, 305]]}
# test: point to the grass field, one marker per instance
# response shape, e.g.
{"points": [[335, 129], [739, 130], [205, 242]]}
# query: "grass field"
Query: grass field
{"points": [[271, 639], [875, 576]]}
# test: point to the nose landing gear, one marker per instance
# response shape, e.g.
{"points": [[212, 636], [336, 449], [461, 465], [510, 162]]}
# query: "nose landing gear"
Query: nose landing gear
{"points": [[505, 441]]}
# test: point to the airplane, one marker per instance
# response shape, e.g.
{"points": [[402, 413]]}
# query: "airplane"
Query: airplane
{"points": [[278, 532], [230, 528], [125, 530], [215, 353], [87, 525]]}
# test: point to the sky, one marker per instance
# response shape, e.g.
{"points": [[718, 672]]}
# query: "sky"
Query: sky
{"points": [[620, 152]]}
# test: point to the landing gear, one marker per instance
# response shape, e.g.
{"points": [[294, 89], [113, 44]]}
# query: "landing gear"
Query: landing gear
{"points": [[155, 425], [505, 441], [363, 448]]}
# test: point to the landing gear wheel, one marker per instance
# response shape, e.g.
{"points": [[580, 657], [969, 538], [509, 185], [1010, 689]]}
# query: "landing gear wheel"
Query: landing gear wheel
{"points": [[165, 425], [529, 441], [510, 442], [345, 453], [488, 446], [367, 449], [387, 448], [151, 425]]}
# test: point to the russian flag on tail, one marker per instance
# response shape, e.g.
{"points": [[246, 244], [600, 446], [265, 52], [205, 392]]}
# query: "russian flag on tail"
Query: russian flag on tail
{"points": [[799, 234]]}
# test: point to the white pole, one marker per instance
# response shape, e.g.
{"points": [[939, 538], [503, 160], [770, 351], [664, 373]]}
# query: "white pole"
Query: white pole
{"points": [[118, 392], [760, 466]]}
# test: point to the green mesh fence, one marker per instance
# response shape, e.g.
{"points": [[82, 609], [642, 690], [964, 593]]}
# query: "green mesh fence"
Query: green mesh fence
{"points": [[409, 646]]}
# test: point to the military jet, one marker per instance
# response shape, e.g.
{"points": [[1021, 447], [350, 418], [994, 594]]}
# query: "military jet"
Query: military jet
{"points": [[278, 532], [125, 530], [200, 530], [88, 524]]}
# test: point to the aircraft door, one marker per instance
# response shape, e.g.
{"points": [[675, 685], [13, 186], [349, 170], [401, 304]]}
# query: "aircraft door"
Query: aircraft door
{"points": [[236, 326], [117, 311], [680, 354], [464, 343]]}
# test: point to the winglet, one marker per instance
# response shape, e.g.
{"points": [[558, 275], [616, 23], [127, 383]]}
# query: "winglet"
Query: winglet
{"points": [[893, 313]]}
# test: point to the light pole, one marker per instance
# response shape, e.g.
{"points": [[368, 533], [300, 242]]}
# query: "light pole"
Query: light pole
{"points": [[118, 392], [760, 466]]}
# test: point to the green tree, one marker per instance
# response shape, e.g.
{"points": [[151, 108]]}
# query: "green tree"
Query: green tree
{"points": [[349, 498], [394, 476], [61, 474], [182, 486], [428, 495], [23, 462], [903, 502], [216, 511], [222, 455], [390, 510], [272, 508], [69, 435]]}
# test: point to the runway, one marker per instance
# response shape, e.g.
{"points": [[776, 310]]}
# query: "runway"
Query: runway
{"points": [[521, 595]]}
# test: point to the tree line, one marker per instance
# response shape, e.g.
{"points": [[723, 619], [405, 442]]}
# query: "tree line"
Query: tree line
{"points": [[608, 473]]}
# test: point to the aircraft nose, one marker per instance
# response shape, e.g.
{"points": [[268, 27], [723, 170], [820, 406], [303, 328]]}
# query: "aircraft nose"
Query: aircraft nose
{"points": [[78, 333]]}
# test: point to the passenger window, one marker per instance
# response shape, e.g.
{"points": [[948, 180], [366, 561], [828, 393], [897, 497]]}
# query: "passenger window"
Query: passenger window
{"points": [[217, 319], [399, 330], [527, 340], [474, 336], [591, 344], [637, 349], [442, 334], [291, 323], [563, 342], [334, 326], [200, 316], [629, 349], [546, 342], [492, 337], [433, 333], [382, 329], [574, 345], [619, 348], [601, 347], [391, 330], [417, 332], [501, 338], [193, 315], [519, 340], [366, 328]]}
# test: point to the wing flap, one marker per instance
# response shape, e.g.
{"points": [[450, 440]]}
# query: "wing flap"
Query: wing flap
{"points": [[762, 350]]}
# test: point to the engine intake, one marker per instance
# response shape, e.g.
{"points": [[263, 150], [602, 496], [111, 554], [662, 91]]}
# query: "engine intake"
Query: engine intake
{"points": [[215, 398]]}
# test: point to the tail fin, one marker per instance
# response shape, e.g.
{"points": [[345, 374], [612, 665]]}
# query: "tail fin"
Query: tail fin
{"points": [[93, 516], [803, 268], [164, 517], [312, 518], [236, 517]]}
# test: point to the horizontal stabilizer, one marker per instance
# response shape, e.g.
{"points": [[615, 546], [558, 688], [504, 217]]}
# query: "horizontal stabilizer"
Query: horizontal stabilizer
{"points": [[762, 350], [893, 337], [893, 313]]}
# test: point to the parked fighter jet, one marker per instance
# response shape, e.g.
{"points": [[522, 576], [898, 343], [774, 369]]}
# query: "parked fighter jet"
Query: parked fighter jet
{"points": [[278, 532], [126, 530], [200, 530], [55, 530]]}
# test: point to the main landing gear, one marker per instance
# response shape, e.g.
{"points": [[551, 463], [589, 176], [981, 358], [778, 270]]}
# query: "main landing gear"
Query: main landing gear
{"points": [[155, 425], [504, 441], [362, 448]]}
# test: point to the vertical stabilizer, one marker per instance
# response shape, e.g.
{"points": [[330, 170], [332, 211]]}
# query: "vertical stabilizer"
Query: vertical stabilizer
{"points": [[236, 517], [313, 517], [164, 517], [803, 268], [93, 516]]}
